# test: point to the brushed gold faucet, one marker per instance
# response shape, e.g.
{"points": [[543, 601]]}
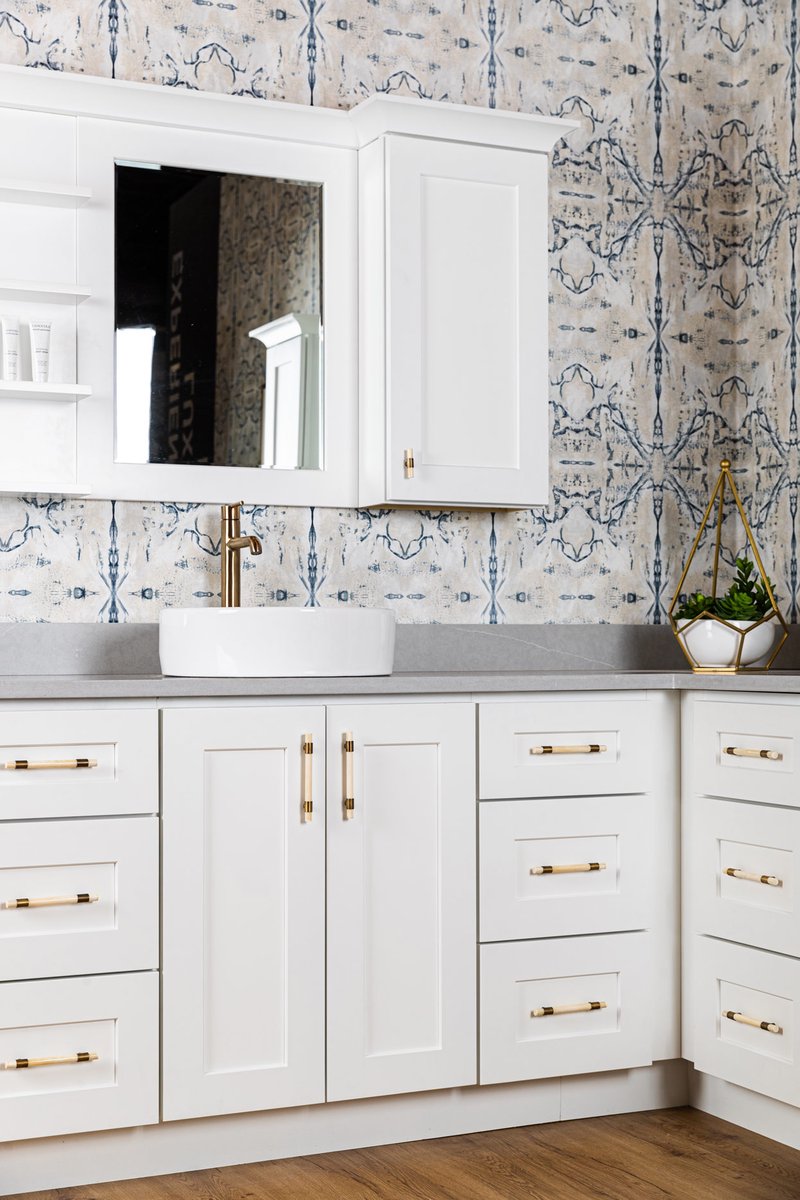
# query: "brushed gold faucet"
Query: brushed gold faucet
{"points": [[231, 544]]}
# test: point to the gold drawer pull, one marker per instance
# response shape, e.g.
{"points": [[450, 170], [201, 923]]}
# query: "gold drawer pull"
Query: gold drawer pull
{"points": [[308, 770], [54, 764], [744, 752], [770, 880], [741, 1019], [569, 869], [348, 748], [50, 901], [61, 1060], [560, 1010], [408, 463], [592, 748]]}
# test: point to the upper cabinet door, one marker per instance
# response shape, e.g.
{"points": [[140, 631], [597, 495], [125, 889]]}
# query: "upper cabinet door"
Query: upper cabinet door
{"points": [[243, 910], [453, 324], [401, 899]]}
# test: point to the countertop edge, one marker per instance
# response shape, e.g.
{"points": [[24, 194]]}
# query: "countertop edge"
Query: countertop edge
{"points": [[156, 687]]}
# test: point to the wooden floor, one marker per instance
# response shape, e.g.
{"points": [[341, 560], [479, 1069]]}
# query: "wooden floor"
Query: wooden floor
{"points": [[643, 1156]]}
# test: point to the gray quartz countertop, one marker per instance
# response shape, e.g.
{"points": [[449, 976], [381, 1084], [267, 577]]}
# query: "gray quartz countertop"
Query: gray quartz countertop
{"points": [[401, 683], [97, 662]]}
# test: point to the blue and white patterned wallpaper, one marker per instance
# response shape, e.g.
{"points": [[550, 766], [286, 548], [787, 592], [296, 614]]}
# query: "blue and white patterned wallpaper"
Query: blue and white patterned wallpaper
{"points": [[674, 303]]}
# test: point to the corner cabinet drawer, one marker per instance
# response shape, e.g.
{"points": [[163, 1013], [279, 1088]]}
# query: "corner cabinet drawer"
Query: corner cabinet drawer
{"points": [[78, 763], [743, 865], [114, 1017], [564, 748], [758, 1049], [524, 985], [550, 868], [78, 897], [745, 751]]}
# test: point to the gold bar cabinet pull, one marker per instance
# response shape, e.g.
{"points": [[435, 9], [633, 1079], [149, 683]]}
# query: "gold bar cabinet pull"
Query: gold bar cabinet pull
{"points": [[53, 764], [590, 748], [560, 1010], [348, 749], [408, 463], [745, 752], [308, 771], [569, 868], [58, 1060], [770, 880], [50, 901], [741, 1019]]}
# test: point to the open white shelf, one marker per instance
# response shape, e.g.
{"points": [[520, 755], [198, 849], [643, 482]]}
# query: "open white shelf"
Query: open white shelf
{"points": [[23, 390], [21, 289], [40, 488], [55, 195]]}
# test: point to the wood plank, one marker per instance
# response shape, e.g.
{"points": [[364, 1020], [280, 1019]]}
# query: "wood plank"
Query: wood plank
{"points": [[674, 1153]]}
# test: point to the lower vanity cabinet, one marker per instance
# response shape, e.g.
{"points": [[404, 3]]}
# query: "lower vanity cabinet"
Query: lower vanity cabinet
{"points": [[243, 921], [244, 904], [401, 898], [79, 1020], [579, 908], [741, 1009]]}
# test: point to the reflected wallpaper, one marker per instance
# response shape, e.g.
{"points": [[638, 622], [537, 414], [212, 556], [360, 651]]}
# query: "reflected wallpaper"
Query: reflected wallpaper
{"points": [[673, 288]]}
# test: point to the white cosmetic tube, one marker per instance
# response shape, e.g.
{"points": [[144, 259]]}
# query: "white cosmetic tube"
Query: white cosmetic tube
{"points": [[10, 326], [40, 350]]}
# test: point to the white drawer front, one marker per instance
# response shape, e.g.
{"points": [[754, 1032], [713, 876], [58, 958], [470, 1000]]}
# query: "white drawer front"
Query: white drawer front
{"points": [[746, 751], [113, 862], [564, 748], [519, 978], [534, 856], [112, 1016], [757, 905], [760, 987], [123, 743]]}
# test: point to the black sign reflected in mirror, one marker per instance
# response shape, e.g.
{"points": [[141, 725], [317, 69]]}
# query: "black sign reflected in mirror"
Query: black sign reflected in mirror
{"points": [[218, 315]]}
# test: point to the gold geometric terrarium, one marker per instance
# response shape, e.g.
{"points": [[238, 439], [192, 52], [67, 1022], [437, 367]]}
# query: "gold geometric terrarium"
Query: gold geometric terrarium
{"points": [[714, 639]]}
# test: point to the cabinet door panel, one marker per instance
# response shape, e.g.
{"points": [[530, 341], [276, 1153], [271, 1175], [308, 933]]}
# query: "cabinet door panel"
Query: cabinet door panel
{"points": [[401, 900], [244, 891], [466, 323]]}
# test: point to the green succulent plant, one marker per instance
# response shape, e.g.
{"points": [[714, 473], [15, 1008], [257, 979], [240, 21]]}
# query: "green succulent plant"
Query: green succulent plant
{"points": [[747, 599]]}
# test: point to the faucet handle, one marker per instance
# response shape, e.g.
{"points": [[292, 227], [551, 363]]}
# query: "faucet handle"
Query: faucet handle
{"points": [[230, 512]]}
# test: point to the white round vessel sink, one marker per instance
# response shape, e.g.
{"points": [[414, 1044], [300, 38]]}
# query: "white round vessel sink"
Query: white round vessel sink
{"points": [[273, 642]]}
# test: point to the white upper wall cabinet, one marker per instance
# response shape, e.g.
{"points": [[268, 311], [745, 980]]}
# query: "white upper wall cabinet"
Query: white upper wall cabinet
{"points": [[427, 273], [453, 293], [453, 311]]}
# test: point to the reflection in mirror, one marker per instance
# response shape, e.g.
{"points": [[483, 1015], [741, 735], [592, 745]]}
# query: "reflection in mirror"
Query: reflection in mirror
{"points": [[218, 317]]}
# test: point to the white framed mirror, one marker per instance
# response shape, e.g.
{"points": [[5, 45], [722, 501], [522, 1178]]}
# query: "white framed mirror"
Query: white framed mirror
{"points": [[195, 241]]}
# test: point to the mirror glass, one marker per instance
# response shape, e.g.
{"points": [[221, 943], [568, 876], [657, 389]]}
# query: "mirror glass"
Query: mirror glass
{"points": [[218, 319]]}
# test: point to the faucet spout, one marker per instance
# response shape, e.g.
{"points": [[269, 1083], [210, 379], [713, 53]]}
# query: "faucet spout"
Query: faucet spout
{"points": [[251, 543], [231, 544]]}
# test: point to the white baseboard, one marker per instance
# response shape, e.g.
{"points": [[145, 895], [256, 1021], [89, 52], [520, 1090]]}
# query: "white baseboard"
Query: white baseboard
{"points": [[759, 1114], [257, 1137], [664, 1085]]}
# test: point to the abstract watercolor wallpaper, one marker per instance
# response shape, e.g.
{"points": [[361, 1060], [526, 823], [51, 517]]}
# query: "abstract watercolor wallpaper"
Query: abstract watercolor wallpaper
{"points": [[673, 302]]}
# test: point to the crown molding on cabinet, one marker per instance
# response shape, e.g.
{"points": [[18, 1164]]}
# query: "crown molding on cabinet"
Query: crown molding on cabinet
{"points": [[112, 99]]}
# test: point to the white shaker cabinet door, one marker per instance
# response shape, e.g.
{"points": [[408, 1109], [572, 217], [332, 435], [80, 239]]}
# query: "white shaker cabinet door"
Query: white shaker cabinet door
{"points": [[243, 910], [401, 898], [461, 244]]}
